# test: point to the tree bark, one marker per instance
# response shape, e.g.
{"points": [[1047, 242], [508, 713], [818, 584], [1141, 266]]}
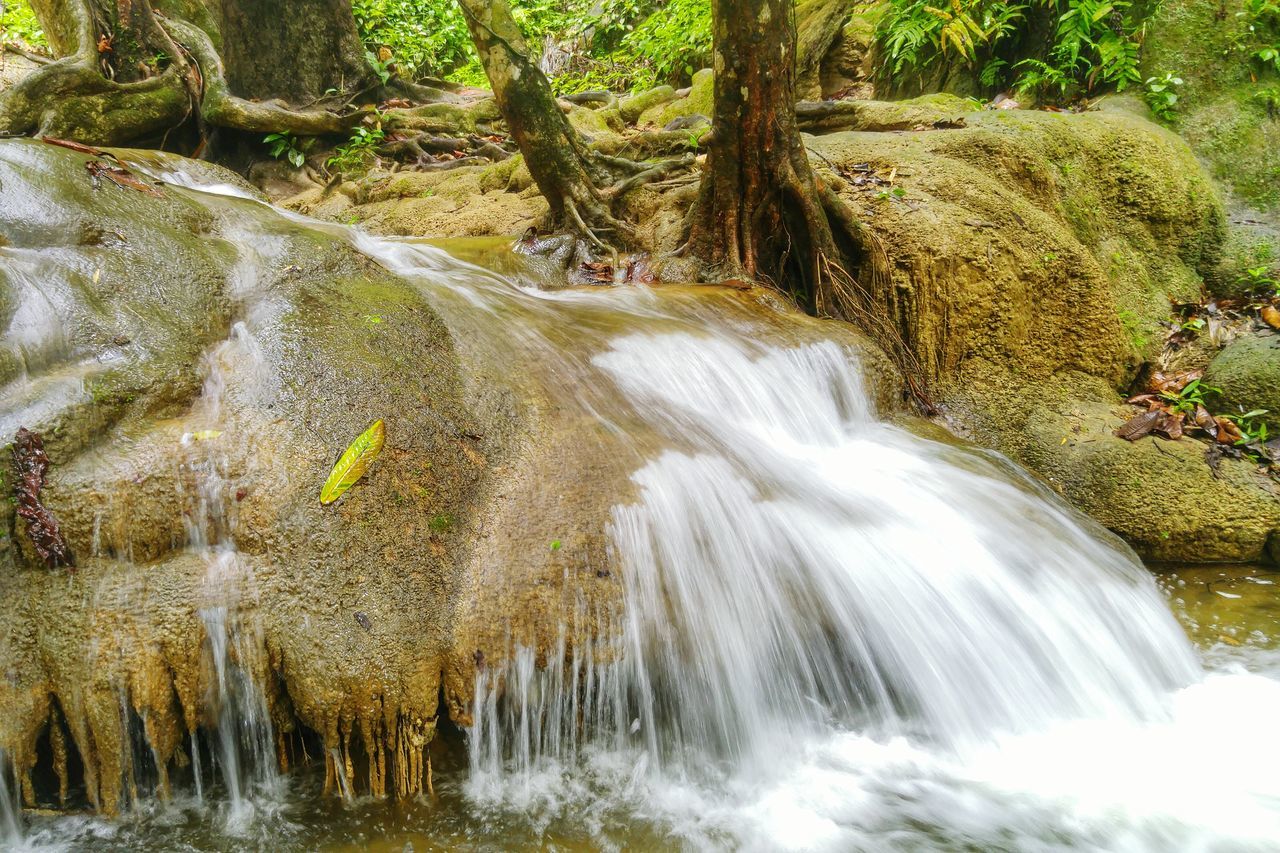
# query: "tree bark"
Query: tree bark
{"points": [[556, 156], [293, 51], [759, 213]]}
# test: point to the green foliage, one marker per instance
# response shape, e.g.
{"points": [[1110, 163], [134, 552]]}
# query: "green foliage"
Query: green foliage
{"points": [[424, 36], [1093, 44], [1262, 25], [359, 152], [1190, 397], [1251, 428], [612, 44], [1269, 56], [288, 146], [672, 43], [382, 68], [1161, 96], [18, 23], [1258, 280]]}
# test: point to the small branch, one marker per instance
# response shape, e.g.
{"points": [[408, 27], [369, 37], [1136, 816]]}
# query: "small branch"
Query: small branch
{"points": [[26, 54]]}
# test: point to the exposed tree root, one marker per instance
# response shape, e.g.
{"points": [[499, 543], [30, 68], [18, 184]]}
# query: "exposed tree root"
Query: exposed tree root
{"points": [[70, 98], [219, 107], [864, 304]]}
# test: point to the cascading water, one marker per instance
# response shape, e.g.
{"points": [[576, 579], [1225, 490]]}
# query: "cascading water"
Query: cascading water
{"points": [[242, 740], [833, 635], [836, 634], [10, 808]]}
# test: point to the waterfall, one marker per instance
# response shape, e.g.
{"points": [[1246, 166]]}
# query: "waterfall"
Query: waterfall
{"points": [[833, 634], [798, 567], [242, 740], [10, 806]]}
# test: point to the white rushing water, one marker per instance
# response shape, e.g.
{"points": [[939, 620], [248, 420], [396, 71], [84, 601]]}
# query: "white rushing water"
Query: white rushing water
{"points": [[840, 636], [834, 635], [837, 635]]}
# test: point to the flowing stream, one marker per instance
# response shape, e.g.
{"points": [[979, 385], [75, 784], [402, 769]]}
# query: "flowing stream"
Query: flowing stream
{"points": [[835, 634]]}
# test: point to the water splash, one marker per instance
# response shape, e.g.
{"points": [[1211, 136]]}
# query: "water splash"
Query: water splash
{"points": [[11, 830]]}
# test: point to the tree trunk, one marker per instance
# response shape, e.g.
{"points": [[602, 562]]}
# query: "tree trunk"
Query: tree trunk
{"points": [[556, 156], [759, 213], [128, 73], [295, 51]]}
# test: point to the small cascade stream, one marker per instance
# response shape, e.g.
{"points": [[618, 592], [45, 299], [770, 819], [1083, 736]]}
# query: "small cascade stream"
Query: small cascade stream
{"points": [[833, 635], [10, 807], [242, 740]]}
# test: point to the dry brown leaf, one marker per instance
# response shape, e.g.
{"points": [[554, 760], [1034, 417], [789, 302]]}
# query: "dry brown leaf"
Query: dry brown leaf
{"points": [[1169, 425], [1172, 383], [1228, 432], [1206, 422], [1139, 426], [1271, 316]]}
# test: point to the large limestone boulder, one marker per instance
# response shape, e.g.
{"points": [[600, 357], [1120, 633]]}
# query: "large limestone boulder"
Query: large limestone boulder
{"points": [[196, 364], [1032, 260]]}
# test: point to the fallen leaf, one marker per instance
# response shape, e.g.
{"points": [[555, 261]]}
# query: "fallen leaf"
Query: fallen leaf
{"points": [[1228, 432], [119, 176], [1206, 421], [1139, 425], [1172, 383], [1149, 400], [1169, 425], [30, 464], [200, 435], [357, 458]]}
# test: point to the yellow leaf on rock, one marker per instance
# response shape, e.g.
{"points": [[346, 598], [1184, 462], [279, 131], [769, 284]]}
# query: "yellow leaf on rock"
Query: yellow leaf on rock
{"points": [[355, 461]]}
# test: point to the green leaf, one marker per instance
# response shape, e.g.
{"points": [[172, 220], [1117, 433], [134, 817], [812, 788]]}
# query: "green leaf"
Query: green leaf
{"points": [[355, 461], [555, 544]]}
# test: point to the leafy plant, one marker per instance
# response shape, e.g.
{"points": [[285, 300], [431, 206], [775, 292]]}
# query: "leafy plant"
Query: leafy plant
{"points": [[19, 23], [1191, 396], [1259, 280], [1192, 326], [1251, 428], [694, 142], [1092, 43], [1269, 55], [1161, 97], [357, 153], [426, 36], [288, 146], [671, 44], [382, 66]]}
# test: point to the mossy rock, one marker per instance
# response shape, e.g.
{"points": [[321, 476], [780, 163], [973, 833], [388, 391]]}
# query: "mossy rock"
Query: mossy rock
{"points": [[1041, 240], [1033, 259], [1247, 373], [1222, 108], [699, 101], [631, 108], [1162, 497]]}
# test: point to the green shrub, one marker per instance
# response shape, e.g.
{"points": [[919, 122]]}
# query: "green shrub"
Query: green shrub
{"points": [[1090, 44], [18, 23]]}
